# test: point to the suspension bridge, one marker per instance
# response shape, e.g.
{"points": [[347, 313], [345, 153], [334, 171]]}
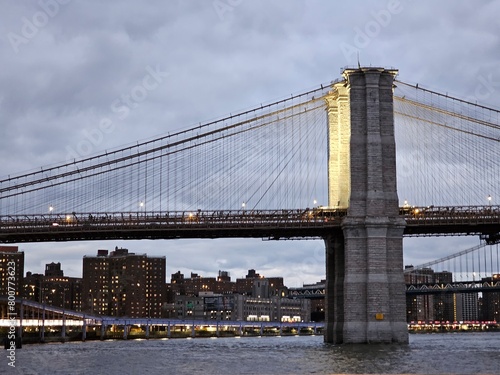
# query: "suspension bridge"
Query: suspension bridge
{"points": [[318, 164]]}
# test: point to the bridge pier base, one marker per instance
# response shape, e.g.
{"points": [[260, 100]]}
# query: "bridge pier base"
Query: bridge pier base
{"points": [[365, 294], [334, 289]]}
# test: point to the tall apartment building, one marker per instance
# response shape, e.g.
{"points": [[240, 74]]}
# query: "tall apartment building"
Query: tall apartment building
{"points": [[11, 270], [419, 307], [53, 288], [467, 307], [444, 304], [120, 283], [490, 307]]}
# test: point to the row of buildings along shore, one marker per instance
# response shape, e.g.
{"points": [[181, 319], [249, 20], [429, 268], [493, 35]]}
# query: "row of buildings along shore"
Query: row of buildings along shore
{"points": [[121, 283], [450, 307]]}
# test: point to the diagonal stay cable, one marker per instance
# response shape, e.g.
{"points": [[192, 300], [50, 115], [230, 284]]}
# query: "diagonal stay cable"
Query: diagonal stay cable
{"points": [[447, 126], [145, 160], [139, 154], [138, 145]]}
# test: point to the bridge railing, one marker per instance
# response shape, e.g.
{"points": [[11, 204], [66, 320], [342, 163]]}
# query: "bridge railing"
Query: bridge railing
{"points": [[174, 218], [412, 214], [430, 220], [450, 214]]}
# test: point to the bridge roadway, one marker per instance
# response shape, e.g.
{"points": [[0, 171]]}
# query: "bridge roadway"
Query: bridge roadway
{"points": [[272, 224]]}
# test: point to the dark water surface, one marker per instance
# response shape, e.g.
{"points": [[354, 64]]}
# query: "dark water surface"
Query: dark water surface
{"points": [[459, 353]]}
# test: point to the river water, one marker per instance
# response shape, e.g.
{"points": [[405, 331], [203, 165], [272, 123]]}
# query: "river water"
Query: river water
{"points": [[453, 353]]}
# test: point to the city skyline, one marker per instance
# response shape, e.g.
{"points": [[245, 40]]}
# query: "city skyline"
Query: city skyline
{"points": [[65, 78], [211, 274], [110, 274]]}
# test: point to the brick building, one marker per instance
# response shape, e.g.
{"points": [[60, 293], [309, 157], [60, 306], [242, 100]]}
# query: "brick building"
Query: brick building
{"points": [[120, 283], [11, 270]]}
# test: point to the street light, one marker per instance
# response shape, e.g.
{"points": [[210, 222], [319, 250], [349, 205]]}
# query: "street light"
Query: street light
{"points": [[489, 200]]}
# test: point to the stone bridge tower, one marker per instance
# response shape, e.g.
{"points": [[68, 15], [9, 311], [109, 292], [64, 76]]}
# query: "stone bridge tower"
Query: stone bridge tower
{"points": [[365, 292]]}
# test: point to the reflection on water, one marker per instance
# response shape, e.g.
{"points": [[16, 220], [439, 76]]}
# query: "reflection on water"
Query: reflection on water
{"points": [[460, 353]]}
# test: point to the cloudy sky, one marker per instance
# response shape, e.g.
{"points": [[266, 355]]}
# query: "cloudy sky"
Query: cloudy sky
{"points": [[69, 65]]}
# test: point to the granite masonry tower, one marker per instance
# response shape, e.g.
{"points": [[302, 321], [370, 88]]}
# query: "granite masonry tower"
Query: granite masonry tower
{"points": [[365, 294]]}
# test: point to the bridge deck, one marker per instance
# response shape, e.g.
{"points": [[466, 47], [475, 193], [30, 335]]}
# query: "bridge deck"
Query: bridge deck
{"points": [[274, 224]]}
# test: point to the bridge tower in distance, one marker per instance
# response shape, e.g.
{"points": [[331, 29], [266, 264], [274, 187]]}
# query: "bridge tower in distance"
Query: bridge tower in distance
{"points": [[365, 292]]}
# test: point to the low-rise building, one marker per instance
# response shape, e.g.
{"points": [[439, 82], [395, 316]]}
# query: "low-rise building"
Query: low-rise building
{"points": [[274, 309]]}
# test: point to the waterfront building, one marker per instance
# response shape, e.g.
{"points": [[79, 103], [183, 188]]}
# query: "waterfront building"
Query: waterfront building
{"points": [[220, 307], [120, 283], [189, 307], [205, 306], [245, 285], [444, 304], [53, 288], [198, 284], [490, 306], [11, 270], [274, 286], [53, 270], [467, 307], [274, 309], [419, 307]]}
